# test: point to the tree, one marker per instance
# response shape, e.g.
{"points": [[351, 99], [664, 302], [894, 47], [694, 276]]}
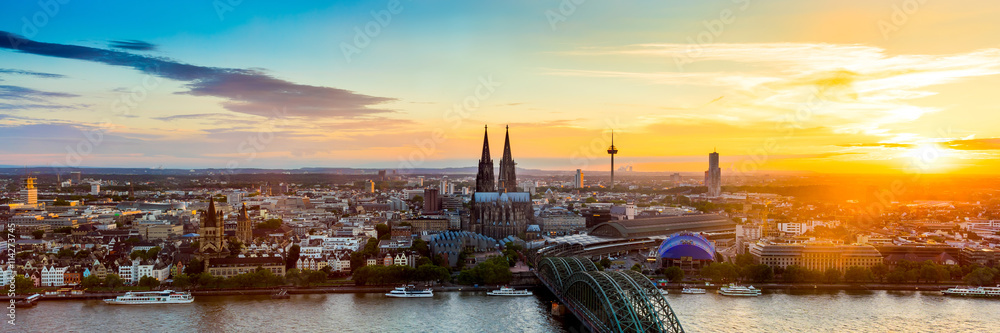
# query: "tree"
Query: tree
{"points": [[270, 224], [23, 283], [149, 282], [182, 281], [879, 271], [605, 262], [235, 246], [152, 253], [981, 276], [91, 281], [382, 230], [857, 274], [795, 274], [758, 273], [38, 234], [674, 274], [590, 200], [113, 281], [65, 253], [420, 246], [293, 256], [744, 260], [194, 267], [721, 272], [637, 268]]}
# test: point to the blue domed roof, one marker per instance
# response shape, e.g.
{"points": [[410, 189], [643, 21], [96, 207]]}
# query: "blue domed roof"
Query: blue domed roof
{"points": [[687, 245]]}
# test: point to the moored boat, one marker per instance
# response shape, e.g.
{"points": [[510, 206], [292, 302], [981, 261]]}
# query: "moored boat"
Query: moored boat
{"points": [[507, 291], [973, 292], [692, 291], [152, 297], [409, 291], [738, 290]]}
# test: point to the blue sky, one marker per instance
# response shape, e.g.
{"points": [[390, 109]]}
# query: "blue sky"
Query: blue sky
{"points": [[267, 84]]}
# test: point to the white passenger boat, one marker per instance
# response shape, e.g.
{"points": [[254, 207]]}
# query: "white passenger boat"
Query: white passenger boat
{"points": [[692, 291], [506, 291], [973, 292], [737, 290], [409, 291], [663, 292], [152, 297]]}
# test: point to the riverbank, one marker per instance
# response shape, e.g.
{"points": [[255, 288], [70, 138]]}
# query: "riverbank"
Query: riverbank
{"points": [[270, 291], [824, 286]]}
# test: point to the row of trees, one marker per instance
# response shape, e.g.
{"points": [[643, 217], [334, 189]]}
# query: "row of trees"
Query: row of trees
{"points": [[493, 271], [743, 269], [395, 274]]}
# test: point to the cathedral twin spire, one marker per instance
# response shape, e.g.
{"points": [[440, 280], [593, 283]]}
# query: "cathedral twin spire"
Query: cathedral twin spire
{"points": [[507, 179]]}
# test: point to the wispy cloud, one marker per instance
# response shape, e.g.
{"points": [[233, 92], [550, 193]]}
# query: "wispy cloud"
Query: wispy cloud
{"points": [[137, 45], [186, 116], [31, 73], [17, 93], [863, 89], [244, 90]]}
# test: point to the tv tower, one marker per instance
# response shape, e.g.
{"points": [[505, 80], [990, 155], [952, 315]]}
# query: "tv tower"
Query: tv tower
{"points": [[612, 151]]}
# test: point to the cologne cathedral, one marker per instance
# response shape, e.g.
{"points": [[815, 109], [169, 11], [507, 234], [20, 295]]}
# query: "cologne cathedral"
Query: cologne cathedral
{"points": [[498, 209]]}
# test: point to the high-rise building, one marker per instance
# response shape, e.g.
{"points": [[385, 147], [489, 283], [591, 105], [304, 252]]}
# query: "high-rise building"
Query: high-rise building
{"points": [[578, 180], [713, 177], [74, 177], [370, 186], [29, 194], [432, 200], [95, 188]]}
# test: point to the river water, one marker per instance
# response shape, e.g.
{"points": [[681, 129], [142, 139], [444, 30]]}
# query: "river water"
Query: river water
{"points": [[821, 311]]}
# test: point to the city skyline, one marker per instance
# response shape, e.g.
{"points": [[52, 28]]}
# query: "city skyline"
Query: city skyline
{"points": [[203, 86]]}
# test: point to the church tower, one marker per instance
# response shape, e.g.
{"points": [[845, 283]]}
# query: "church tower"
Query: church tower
{"points": [[508, 180], [484, 178], [244, 228], [212, 232]]}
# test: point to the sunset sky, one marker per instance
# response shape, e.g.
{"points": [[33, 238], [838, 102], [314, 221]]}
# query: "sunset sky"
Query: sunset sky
{"points": [[844, 86]]}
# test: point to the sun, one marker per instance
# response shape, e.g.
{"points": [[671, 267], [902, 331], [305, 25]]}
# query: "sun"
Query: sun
{"points": [[929, 158]]}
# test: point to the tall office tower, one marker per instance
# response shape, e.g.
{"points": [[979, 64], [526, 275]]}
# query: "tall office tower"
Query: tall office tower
{"points": [[484, 178], [578, 180], [443, 186], [713, 177], [29, 194], [508, 180], [432, 200], [74, 176], [370, 186], [95, 188]]}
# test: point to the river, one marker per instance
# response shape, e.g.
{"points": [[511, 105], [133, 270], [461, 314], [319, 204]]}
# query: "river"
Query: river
{"points": [[793, 311]]}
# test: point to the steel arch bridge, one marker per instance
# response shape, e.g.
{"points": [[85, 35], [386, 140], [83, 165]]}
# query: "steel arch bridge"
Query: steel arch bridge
{"points": [[616, 301]]}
